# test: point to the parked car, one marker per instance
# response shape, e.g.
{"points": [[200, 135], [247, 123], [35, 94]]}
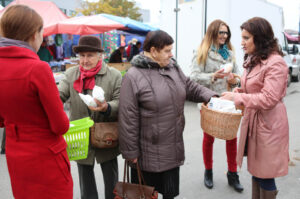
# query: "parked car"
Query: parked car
{"points": [[293, 53], [288, 61]]}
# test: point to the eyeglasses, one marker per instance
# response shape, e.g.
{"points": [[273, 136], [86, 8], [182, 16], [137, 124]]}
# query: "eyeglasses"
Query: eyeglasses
{"points": [[223, 33]]}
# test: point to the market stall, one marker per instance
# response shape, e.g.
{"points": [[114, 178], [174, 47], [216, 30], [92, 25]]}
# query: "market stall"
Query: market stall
{"points": [[50, 13], [83, 25]]}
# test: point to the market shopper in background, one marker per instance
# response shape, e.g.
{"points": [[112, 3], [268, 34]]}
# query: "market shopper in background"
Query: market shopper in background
{"points": [[31, 111], [129, 46], [264, 135], [117, 55], [44, 52], [135, 50], [82, 79], [214, 52], [151, 119]]}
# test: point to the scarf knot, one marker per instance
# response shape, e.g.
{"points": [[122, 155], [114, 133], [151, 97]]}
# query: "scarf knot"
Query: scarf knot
{"points": [[223, 51], [86, 78]]}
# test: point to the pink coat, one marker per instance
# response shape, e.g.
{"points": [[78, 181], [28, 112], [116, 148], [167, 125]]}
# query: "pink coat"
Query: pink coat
{"points": [[265, 121]]}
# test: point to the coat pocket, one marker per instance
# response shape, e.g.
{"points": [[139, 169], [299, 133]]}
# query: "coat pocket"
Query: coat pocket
{"points": [[61, 157]]}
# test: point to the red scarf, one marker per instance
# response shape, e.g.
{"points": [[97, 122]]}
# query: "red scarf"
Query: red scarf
{"points": [[86, 79]]}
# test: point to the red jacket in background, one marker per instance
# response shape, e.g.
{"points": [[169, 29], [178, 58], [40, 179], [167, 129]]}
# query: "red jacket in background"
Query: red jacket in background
{"points": [[33, 115]]}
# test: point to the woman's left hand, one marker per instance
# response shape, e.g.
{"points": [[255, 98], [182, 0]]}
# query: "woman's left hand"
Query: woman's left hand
{"points": [[228, 96], [101, 106]]}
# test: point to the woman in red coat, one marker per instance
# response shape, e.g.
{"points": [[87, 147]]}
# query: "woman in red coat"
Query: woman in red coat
{"points": [[31, 111]]}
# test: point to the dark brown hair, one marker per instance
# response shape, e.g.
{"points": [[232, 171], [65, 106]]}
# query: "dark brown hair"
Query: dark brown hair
{"points": [[20, 22], [157, 39], [263, 38]]}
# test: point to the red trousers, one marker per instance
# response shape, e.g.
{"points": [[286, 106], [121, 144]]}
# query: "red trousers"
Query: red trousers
{"points": [[231, 150]]}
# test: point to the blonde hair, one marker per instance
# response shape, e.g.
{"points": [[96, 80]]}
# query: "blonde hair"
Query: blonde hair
{"points": [[20, 22], [211, 38]]}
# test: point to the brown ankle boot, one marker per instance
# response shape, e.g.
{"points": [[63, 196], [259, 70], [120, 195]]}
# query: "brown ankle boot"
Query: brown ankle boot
{"points": [[265, 194], [255, 189]]}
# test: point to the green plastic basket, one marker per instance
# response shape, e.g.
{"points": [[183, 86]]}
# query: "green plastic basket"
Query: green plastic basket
{"points": [[77, 138], [123, 72]]}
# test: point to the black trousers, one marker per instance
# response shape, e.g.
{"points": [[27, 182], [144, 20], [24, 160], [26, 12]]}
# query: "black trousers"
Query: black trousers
{"points": [[87, 182], [3, 140]]}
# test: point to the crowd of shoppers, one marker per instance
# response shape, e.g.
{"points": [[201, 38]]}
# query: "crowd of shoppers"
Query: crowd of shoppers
{"points": [[150, 113]]}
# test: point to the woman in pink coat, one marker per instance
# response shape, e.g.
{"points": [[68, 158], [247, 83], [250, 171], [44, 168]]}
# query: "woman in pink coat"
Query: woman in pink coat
{"points": [[264, 135], [31, 111]]}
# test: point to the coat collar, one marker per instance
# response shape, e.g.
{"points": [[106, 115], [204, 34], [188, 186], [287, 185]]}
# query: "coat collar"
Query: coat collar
{"points": [[257, 68], [5, 42], [103, 69]]}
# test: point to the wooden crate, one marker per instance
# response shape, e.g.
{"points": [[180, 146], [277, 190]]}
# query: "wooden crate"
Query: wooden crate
{"points": [[120, 66], [70, 65]]}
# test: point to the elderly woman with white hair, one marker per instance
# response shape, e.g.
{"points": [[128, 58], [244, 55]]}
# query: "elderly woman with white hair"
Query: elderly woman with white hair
{"points": [[82, 79]]}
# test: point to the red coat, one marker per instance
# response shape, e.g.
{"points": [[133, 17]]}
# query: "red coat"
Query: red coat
{"points": [[32, 112], [265, 121]]}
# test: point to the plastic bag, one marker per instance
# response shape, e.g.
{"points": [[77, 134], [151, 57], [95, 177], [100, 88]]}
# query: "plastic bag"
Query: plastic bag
{"points": [[98, 93], [227, 67], [88, 100]]}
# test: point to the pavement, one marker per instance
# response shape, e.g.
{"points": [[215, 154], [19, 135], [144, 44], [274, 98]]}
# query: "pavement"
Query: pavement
{"points": [[191, 173]]}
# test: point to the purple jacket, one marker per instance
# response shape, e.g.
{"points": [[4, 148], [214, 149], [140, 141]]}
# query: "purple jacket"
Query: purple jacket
{"points": [[151, 113]]}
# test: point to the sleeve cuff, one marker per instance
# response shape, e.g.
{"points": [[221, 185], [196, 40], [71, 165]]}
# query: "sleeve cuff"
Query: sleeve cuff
{"points": [[108, 111], [238, 99]]}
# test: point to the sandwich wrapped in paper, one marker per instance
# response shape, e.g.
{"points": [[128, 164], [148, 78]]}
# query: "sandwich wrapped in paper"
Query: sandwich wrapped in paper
{"points": [[222, 105], [227, 67], [98, 93]]}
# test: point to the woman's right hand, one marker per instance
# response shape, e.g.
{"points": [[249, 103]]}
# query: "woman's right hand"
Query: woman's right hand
{"points": [[237, 90], [219, 74]]}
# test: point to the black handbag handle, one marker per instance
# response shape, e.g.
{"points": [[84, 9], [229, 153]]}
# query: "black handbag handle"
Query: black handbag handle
{"points": [[140, 177]]}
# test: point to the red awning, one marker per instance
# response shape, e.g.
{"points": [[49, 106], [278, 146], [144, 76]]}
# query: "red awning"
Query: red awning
{"points": [[50, 13], [83, 25]]}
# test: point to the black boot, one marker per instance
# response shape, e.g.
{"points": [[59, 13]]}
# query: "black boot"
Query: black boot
{"points": [[208, 178], [2, 151], [233, 180]]}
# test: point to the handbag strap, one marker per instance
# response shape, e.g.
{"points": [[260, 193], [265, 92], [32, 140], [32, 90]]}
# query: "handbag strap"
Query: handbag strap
{"points": [[140, 175], [126, 172]]}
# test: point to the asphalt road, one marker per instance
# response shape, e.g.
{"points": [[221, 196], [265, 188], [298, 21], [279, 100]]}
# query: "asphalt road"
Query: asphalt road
{"points": [[191, 174]]}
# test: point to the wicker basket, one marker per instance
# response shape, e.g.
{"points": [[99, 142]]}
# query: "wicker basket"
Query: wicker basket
{"points": [[219, 124]]}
